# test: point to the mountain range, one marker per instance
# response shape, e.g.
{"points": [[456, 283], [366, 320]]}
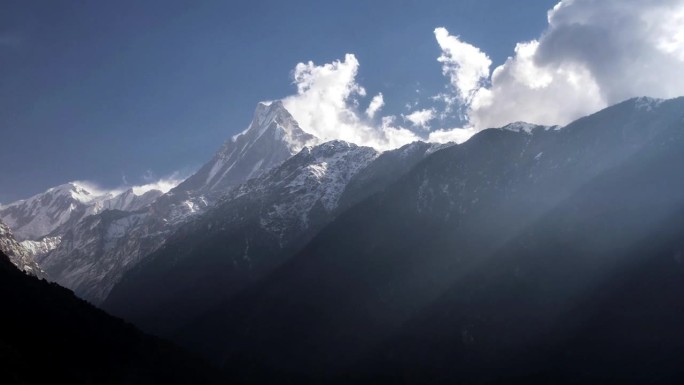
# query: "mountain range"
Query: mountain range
{"points": [[92, 240], [513, 244], [527, 254]]}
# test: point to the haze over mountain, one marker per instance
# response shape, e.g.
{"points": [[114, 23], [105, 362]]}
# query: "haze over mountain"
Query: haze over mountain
{"points": [[493, 249], [367, 259]]}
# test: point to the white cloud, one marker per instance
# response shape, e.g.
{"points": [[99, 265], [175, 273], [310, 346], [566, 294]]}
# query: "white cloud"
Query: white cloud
{"points": [[466, 66], [164, 185], [323, 104], [522, 90], [421, 118], [375, 105], [397, 136], [594, 53], [456, 135], [326, 106], [153, 182]]}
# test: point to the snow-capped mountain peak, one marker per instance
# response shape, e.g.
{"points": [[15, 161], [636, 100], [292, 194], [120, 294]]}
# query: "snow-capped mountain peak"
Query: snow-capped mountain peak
{"points": [[273, 116], [272, 137], [78, 192], [41, 214], [267, 113]]}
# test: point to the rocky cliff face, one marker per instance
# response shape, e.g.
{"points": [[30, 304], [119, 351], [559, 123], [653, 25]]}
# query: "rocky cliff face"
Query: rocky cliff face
{"points": [[17, 254]]}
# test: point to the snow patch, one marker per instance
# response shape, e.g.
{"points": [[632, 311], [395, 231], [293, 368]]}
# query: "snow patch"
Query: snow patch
{"points": [[647, 104]]}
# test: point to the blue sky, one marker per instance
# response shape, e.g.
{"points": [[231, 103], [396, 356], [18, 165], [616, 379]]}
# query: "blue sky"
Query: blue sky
{"points": [[130, 91]]}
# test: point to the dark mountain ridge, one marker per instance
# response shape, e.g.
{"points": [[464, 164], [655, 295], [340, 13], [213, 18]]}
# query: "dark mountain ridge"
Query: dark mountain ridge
{"points": [[447, 227]]}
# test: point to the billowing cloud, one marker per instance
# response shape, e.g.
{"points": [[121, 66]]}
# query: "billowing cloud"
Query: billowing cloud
{"points": [[326, 105], [375, 105], [421, 118], [594, 53], [465, 65]]}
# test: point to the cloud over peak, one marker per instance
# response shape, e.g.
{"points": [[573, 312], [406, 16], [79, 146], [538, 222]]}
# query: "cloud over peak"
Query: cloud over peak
{"points": [[327, 105], [592, 54], [164, 185], [421, 118]]}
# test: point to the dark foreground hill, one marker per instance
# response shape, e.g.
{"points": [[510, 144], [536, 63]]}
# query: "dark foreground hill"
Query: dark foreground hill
{"points": [[48, 336]]}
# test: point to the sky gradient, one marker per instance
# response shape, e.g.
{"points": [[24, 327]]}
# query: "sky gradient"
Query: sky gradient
{"points": [[103, 91], [125, 93]]}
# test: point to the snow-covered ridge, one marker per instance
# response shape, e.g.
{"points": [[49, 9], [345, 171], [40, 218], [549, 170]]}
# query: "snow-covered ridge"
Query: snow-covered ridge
{"points": [[128, 200], [333, 165], [314, 176], [45, 213], [525, 127], [75, 190]]}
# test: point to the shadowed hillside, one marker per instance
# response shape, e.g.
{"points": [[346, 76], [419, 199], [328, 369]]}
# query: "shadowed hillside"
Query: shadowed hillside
{"points": [[47, 335]]}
